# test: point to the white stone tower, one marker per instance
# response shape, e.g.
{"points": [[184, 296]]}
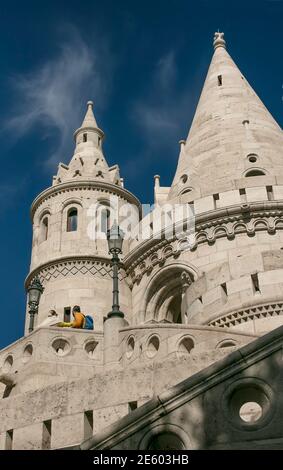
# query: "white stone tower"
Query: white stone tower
{"points": [[231, 170], [68, 254]]}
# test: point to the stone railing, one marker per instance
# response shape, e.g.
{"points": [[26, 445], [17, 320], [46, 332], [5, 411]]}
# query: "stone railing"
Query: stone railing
{"points": [[157, 342]]}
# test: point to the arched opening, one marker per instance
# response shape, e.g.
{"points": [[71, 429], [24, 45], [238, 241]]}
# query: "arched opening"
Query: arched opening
{"points": [[185, 346], [61, 347], [152, 347], [44, 228], [174, 309], [90, 348], [165, 293], [227, 344], [72, 220], [8, 363], [254, 173], [105, 219], [28, 351], [186, 191], [130, 347]]}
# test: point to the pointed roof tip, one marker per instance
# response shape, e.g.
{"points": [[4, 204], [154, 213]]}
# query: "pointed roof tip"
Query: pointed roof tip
{"points": [[218, 40], [89, 120]]}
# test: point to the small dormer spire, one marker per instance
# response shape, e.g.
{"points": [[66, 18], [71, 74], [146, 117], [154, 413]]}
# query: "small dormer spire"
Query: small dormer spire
{"points": [[219, 40]]}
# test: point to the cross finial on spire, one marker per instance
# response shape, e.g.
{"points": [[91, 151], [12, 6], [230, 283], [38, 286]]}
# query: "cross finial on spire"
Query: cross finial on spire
{"points": [[219, 40]]}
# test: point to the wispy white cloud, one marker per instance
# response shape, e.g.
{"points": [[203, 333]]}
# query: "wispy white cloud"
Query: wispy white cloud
{"points": [[164, 111], [166, 71], [53, 94]]}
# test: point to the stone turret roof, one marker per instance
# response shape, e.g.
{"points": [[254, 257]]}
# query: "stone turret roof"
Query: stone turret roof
{"points": [[88, 161], [89, 120], [230, 123]]}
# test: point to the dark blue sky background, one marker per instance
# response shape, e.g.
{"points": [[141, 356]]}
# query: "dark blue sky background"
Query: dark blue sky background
{"points": [[143, 63]]}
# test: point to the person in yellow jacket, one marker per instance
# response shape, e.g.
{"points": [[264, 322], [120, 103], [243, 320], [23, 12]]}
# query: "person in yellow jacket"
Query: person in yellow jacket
{"points": [[78, 322]]}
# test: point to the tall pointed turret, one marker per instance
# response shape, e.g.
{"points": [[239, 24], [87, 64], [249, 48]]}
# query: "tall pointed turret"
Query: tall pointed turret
{"points": [[232, 135], [88, 161]]}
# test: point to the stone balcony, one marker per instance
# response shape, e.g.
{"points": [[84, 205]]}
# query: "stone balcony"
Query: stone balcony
{"points": [[50, 354]]}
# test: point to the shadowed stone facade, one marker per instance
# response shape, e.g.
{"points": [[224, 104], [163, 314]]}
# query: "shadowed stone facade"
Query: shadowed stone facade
{"points": [[196, 363]]}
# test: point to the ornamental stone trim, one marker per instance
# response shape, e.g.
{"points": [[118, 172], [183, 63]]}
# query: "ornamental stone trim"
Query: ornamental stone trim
{"points": [[83, 185], [155, 252], [73, 267], [248, 314]]}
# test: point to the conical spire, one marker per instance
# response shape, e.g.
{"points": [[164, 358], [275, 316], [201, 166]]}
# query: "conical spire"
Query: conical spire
{"points": [[89, 120], [88, 161], [229, 125], [89, 124]]}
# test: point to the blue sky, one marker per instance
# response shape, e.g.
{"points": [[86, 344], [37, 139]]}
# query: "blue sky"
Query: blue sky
{"points": [[143, 64]]}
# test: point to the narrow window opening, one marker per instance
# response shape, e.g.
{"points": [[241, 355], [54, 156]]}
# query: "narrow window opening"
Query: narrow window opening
{"points": [[133, 406], [270, 195], [72, 220], [88, 424], [219, 80], [46, 435], [45, 229], [105, 220], [67, 314], [243, 195], [215, 199], [99, 140], [255, 282], [9, 440], [84, 137], [224, 287]]}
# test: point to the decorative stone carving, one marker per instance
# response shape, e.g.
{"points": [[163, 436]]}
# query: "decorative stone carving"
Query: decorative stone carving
{"points": [[186, 281], [248, 314], [75, 267], [206, 232]]}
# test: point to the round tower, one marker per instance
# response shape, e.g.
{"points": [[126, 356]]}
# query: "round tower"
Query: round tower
{"points": [[230, 173], [70, 221]]}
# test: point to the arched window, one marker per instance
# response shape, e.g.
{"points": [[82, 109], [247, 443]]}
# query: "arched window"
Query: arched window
{"points": [[44, 229], [105, 219], [255, 173], [72, 220]]}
